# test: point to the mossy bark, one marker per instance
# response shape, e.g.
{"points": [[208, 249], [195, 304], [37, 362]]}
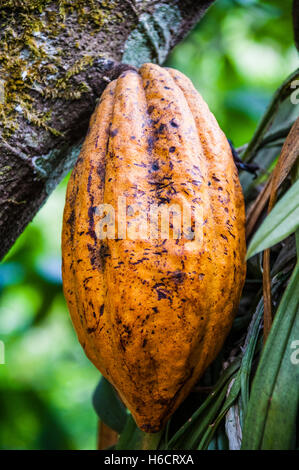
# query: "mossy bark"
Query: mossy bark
{"points": [[56, 58]]}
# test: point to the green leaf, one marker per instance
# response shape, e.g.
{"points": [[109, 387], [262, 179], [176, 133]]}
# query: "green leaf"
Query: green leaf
{"points": [[252, 344], [245, 369], [281, 222], [273, 405], [108, 406], [230, 399]]}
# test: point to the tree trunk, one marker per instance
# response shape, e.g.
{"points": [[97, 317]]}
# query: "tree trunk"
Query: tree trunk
{"points": [[56, 58]]}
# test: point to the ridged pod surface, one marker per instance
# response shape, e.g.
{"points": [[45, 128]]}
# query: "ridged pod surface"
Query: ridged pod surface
{"points": [[151, 314]]}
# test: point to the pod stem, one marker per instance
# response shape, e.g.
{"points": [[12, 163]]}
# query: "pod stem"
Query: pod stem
{"points": [[132, 438], [149, 441]]}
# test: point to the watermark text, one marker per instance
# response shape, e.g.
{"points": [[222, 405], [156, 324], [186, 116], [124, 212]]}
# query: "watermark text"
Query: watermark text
{"points": [[156, 221]]}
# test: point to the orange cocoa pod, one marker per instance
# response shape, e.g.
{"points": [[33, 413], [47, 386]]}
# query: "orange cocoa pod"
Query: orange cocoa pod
{"points": [[152, 313]]}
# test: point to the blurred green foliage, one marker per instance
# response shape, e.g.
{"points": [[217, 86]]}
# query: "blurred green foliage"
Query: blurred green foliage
{"points": [[236, 57]]}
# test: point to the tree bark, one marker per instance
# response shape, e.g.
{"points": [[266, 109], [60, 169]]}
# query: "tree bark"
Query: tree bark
{"points": [[56, 58]]}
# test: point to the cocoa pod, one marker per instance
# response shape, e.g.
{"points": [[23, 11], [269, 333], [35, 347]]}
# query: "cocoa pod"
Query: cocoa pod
{"points": [[152, 313]]}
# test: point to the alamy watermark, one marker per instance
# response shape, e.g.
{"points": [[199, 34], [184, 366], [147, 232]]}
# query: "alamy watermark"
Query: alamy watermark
{"points": [[295, 94], [139, 222], [295, 354], [2, 352]]}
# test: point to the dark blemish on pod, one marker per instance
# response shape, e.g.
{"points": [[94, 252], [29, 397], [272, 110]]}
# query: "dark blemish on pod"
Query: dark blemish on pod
{"points": [[101, 310], [98, 257], [140, 261], [91, 232], [161, 128], [223, 236], [101, 172], [122, 344], [141, 165], [150, 144], [155, 165], [150, 109], [171, 149], [71, 222], [155, 309], [86, 281], [89, 182], [161, 291], [154, 122], [173, 123], [215, 179], [128, 330], [178, 276], [113, 132], [197, 168], [91, 330]]}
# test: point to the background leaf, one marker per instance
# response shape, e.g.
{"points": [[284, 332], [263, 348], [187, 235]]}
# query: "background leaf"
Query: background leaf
{"points": [[281, 222], [273, 405], [108, 406]]}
